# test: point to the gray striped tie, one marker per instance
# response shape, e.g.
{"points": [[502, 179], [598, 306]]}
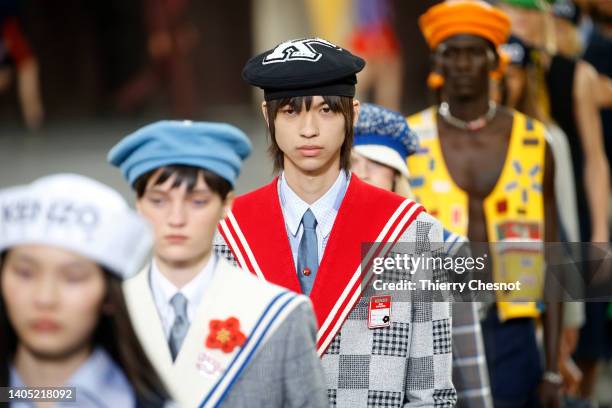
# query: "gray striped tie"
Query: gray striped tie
{"points": [[180, 326]]}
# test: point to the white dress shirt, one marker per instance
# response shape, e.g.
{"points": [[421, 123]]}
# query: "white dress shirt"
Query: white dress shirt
{"points": [[163, 291], [325, 210]]}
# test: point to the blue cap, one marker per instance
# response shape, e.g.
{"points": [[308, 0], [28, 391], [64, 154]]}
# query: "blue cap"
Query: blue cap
{"points": [[217, 147], [383, 135]]}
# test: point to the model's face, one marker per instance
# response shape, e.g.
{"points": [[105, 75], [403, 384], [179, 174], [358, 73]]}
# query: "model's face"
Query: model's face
{"points": [[310, 139], [53, 299], [184, 221], [466, 61], [372, 172]]}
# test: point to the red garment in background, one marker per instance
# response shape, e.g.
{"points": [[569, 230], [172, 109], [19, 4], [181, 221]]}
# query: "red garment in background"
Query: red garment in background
{"points": [[14, 42], [374, 36]]}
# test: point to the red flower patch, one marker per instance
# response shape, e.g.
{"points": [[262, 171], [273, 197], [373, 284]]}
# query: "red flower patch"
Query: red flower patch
{"points": [[225, 335]]}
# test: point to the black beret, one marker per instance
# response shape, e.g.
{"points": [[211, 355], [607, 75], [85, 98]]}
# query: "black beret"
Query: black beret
{"points": [[304, 67], [519, 52]]}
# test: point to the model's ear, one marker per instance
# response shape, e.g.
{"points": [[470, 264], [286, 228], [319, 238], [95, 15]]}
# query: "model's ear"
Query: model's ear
{"points": [[264, 111], [435, 79], [139, 205], [492, 59], [356, 109], [227, 204], [436, 59]]}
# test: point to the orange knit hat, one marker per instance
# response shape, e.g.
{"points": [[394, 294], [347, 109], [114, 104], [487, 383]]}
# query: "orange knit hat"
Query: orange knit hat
{"points": [[455, 17]]}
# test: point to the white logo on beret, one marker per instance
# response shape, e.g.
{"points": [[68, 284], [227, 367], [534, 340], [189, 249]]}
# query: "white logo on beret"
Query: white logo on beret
{"points": [[297, 50], [56, 214]]}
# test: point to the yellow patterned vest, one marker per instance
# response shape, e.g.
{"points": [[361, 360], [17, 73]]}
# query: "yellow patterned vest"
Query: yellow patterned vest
{"points": [[514, 210]]}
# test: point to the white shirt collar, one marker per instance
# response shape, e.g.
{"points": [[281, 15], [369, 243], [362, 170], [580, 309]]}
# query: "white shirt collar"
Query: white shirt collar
{"points": [[324, 209], [164, 290]]}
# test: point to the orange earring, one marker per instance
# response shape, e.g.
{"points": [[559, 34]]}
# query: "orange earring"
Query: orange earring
{"points": [[435, 80], [496, 75], [504, 61]]}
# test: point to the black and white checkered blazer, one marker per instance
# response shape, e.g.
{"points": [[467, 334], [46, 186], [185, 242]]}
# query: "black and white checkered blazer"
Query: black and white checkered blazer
{"points": [[406, 364]]}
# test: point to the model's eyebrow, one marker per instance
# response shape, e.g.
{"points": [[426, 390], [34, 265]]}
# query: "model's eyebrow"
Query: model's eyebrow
{"points": [[75, 265], [156, 189], [322, 103], [200, 190], [25, 258], [196, 190]]}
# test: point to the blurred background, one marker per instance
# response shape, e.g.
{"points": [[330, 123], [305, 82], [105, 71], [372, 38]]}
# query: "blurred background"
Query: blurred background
{"points": [[107, 67]]}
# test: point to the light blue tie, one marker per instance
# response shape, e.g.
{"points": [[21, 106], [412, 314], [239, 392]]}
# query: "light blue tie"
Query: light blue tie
{"points": [[308, 258], [181, 324]]}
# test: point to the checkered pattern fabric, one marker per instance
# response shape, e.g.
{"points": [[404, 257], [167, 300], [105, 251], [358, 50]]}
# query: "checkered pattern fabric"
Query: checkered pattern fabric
{"points": [[406, 364], [384, 399], [334, 346], [423, 244], [441, 397], [392, 340], [332, 395], [422, 373], [354, 371], [360, 310], [442, 336], [470, 373], [223, 251]]}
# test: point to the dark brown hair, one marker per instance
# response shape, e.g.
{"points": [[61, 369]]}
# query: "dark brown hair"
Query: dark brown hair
{"points": [[338, 104], [184, 174], [114, 333]]}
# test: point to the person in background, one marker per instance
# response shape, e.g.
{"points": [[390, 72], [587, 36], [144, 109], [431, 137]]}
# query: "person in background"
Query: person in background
{"points": [[375, 39], [305, 230], [569, 231], [383, 143], [598, 52], [487, 173], [597, 38], [18, 60], [575, 95], [171, 41], [586, 92], [567, 98], [570, 92], [216, 333], [67, 243]]}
